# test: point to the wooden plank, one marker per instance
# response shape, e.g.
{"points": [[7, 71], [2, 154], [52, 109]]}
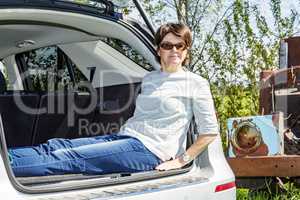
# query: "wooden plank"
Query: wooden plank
{"points": [[281, 166]]}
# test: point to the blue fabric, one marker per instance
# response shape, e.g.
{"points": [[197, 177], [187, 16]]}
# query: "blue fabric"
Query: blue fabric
{"points": [[94, 155]]}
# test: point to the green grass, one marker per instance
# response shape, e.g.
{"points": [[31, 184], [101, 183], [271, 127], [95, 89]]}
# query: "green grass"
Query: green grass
{"points": [[288, 192]]}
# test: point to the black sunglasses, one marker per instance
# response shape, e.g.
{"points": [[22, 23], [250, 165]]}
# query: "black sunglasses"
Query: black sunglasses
{"points": [[168, 46]]}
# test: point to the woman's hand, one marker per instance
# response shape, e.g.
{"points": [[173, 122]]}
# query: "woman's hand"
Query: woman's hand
{"points": [[171, 164]]}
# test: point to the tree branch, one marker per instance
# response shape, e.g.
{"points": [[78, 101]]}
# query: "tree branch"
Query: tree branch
{"points": [[211, 35]]}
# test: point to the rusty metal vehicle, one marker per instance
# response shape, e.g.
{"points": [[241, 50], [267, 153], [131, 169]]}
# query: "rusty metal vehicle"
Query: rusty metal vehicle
{"points": [[280, 91]]}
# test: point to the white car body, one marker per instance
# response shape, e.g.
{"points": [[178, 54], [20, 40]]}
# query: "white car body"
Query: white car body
{"points": [[209, 177]]}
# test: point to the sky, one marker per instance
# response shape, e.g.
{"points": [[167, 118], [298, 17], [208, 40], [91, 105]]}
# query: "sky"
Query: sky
{"points": [[170, 15], [286, 6]]}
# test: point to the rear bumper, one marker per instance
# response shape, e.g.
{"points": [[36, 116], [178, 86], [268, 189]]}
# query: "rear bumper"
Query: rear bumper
{"points": [[192, 191], [175, 188]]}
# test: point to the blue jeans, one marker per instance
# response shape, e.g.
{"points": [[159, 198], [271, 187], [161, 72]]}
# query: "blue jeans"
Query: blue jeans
{"points": [[94, 155]]}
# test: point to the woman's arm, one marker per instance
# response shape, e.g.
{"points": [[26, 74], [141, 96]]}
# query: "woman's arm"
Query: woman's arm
{"points": [[192, 152], [207, 125]]}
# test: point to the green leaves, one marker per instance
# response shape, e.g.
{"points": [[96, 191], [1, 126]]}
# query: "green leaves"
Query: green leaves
{"points": [[234, 40]]}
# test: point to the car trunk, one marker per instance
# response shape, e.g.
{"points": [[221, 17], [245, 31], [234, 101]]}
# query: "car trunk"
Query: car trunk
{"points": [[72, 181], [41, 134], [20, 128]]}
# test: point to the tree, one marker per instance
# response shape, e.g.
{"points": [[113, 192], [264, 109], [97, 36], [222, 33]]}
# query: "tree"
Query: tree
{"points": [[251, 45], [233, 42]]}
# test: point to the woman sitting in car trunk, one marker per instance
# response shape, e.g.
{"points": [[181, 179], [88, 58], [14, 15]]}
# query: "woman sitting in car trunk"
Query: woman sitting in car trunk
{"points": [[153, 138]]}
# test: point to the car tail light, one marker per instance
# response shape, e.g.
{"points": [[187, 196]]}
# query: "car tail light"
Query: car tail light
{"points": [[225, 186]]}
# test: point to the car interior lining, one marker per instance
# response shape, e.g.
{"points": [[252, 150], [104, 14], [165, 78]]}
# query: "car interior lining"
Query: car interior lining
{"points": [[77, 22], [14, 37]]}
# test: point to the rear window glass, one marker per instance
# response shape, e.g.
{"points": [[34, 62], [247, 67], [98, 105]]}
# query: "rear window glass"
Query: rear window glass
{"points": [[128, 51], [47, 70]]}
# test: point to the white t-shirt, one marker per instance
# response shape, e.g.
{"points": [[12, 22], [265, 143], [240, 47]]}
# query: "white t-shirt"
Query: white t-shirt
{"points": [[164, 110]]}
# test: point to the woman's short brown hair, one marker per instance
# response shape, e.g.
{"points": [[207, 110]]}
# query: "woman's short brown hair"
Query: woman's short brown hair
{"points": [[178, 29]]}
